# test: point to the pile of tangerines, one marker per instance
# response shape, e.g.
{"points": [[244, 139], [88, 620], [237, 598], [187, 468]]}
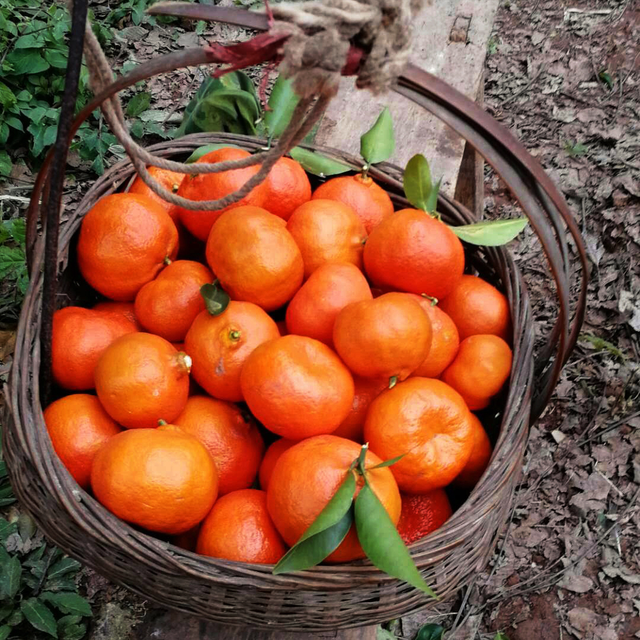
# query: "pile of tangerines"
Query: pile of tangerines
{"points": [[311, 321]]}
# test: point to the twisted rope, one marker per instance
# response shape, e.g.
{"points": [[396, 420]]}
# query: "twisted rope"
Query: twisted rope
{"points": [[319, 36]]}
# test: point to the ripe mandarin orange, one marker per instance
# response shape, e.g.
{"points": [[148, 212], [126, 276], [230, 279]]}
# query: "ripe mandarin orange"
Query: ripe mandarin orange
{"points": [[287, 188], [160, 479], [479, 459], [233, 440], [426, 421], [239, 528], [272, 455], [386, 337], [307, 476], [421, 514], [370, 202], [411, 251], [327, 231], [78, 426], [170, 180], [219, 345], [297, 387], [213, 186], [142, 378], [313, 310], [444, 344], [80, 337], [168, 305], [480, 369], [125, 309], [125, 240], [255, 258], [477, 307], [365, 390]]}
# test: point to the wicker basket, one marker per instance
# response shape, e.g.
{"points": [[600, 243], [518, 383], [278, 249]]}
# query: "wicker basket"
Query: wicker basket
{"points": [[325, 597]]}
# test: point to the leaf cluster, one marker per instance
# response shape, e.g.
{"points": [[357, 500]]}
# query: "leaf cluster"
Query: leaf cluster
{"points": [[13, 272], [38, 591]]}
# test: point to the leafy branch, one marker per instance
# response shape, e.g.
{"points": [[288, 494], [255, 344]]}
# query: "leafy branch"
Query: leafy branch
{"points": [[377, 534]]}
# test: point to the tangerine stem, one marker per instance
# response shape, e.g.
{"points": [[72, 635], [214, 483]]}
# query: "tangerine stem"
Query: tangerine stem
{"points": [[167, 261], [393, 380], [162, 423], [234, 335], [434, 301]]}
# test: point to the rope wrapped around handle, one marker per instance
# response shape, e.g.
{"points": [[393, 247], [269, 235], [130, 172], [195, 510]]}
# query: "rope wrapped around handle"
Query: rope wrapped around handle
{"points": [[313, 41]]}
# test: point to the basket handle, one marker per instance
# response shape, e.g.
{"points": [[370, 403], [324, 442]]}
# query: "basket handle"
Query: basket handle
{"points": [[539, 198]]}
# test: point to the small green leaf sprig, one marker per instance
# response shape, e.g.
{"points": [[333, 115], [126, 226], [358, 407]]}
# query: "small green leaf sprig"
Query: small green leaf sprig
{"points": [[377, 534], [422, 193]]}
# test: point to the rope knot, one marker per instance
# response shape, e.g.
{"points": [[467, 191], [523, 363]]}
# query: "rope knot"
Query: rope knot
{"points": [[321, 34]]}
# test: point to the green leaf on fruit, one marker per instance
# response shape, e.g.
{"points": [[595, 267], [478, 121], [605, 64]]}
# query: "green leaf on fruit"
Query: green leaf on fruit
{"points": [[388, 463], [326, 532], [490, 233], [282, 103], [418, 186], [382, 543], [317, 164], [379, 143], [216, 300]]}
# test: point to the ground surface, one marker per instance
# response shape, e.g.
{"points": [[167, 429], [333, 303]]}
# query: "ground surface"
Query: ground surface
{"points": [[565, 77]]}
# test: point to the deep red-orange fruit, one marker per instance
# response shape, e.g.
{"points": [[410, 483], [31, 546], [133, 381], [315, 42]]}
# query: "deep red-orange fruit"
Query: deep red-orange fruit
{"points": [[479, 459], [370, 202], [366, 389], [272, 456], [297, 387], [125, 309], [141, 379], [327, 231], [331, 287], [125, 241], [288, 187], [78, 426], [423, 513], [168, 305], [383, 338], [80, 337], [445, 341], [480, 369], [219, 346], [477, 307], [239, 528], [213, 186], [307, 476], [255, 258], [170, 180], [411, 251], [232, 439], [428, 423], [160, 479]]}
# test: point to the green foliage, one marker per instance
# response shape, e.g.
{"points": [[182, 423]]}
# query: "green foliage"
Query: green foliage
{"points": [[377, 534], [430, 632], [13, 274], [379, 143], [216, 299], [32, 73], [223, 104], [423, 194], [600, 344], [38, 591], [317, 164], [576, 149], [500, 636]]}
